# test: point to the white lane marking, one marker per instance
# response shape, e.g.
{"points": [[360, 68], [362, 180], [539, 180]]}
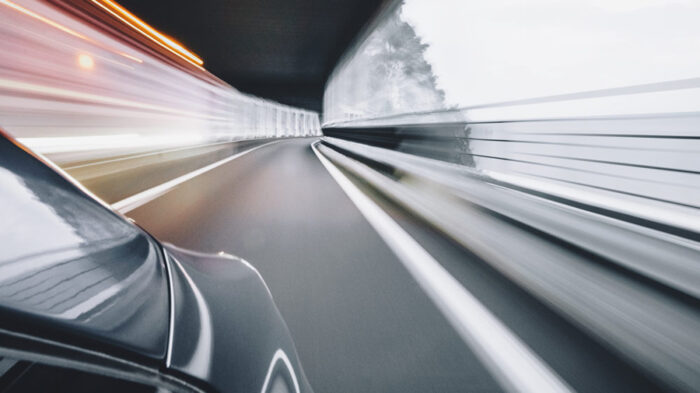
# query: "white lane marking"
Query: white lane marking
{"points": [[134, 201], [280, 355], [510, 361]]}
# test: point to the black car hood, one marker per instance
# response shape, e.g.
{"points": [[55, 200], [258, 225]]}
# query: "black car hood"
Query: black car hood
{"points": [[72, 270], [227, 330]]}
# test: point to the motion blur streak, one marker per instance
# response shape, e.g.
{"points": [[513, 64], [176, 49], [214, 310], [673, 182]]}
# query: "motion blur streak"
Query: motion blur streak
{"points": [[62, 28], [513, 364], [169, 41], [567, 161], [148, 31], [41, 18], [520, 178], [79, 90]]}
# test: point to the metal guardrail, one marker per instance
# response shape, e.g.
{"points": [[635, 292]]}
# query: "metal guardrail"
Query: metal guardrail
{"points": [[632, 287], [646, 167]]}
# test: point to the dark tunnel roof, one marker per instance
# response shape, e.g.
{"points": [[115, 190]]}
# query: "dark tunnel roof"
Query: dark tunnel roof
{"points": [[278, 49]]}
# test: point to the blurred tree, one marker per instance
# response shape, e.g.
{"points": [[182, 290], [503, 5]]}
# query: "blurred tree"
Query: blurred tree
{"points": [[398, 77]]}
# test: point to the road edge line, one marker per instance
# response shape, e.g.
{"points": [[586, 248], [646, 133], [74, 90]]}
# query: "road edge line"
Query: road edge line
{"points": [[130, 203], [511, 362]]}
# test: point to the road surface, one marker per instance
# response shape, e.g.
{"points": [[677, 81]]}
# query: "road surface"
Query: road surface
{"points": [[360, 321]]}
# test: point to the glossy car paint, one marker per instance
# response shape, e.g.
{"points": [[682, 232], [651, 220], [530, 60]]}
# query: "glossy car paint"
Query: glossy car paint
{"points": [[227, 329], [73, 271]]}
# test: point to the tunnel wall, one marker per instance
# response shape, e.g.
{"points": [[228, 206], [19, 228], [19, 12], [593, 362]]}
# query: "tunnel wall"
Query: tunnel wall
{"points": [[80, 85], [602, 108]]}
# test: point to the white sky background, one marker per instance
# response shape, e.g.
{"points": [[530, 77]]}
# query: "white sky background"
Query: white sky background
{"points": [[485, 51]]}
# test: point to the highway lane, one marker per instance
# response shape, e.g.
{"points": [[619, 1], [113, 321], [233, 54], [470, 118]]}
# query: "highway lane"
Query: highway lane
{"points": [[585, 364], [360, 322]]}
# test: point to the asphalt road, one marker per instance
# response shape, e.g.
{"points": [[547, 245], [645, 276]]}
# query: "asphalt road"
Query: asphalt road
{"points": [[361, 323]]}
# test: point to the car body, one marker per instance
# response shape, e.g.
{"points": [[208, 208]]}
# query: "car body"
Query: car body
{"points": [[82, 287]]}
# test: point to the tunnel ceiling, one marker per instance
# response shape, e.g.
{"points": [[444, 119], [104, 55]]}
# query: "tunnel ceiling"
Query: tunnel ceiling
{"points": [[278, 49]]}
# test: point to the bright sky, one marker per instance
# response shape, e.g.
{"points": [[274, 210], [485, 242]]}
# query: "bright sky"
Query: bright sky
{"points": [[487, 51]]}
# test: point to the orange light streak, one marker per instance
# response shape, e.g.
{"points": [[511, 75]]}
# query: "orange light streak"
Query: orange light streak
{"points": [[174, 44], [130, 57], [137, 24]]}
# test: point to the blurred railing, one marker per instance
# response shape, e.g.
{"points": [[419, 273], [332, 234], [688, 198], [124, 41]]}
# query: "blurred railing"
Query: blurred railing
{"points": [[559, 144], [620, 135], [643, 167], [79, 84]]}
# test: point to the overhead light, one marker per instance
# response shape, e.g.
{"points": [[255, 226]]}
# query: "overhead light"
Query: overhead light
{"points": [[86, 62]]}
